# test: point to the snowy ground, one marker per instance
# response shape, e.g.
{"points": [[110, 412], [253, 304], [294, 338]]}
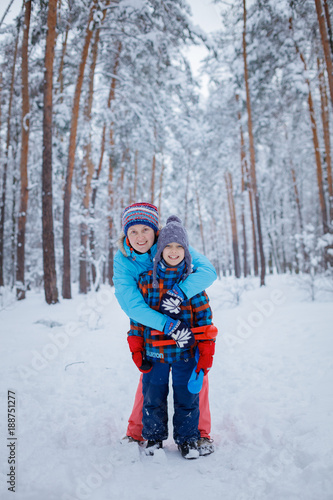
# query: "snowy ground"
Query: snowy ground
{"points": [[271, 395]]}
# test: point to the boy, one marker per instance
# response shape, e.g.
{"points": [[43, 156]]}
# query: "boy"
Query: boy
{"points": [[172, 264]]}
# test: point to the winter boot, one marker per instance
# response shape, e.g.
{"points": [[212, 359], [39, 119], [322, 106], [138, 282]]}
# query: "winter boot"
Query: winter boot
{"points": [[189, 450], [130, 439], [152, 446], [205, 446]]}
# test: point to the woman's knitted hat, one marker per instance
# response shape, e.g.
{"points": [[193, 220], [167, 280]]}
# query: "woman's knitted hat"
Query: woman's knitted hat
{"points": [[172, 232], [140, 213]]}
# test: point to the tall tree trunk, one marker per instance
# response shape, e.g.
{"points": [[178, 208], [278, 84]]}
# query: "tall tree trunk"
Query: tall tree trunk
{"points": [[87, 175], [253, 225], [297, 199], [326, 129], [135, 191], [252, 157], [110, 214], [200, 218], [325, 44], [152, 185], [5, 167], [299, 212], [315, 143], [161, 188], [318, 159], [243, 189], [121, 180], [60, 80], [233, 220], [111, 98], [66, 283], [49, 264], [329, 25], [187, 187], [25, 123], [227, 258], [92, 243], [15, 179]]}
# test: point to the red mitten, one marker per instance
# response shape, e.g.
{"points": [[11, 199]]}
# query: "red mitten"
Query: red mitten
{"points": [[206, 353], [136, 347]]}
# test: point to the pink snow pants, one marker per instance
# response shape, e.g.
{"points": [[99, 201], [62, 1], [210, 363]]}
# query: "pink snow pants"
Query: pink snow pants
{"points": [[134, 428]]}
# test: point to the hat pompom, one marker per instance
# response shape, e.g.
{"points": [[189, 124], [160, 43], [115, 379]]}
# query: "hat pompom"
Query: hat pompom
{"points": [[173, 218]]}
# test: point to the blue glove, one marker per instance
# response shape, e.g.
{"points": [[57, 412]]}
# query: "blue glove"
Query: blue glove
{"points": [[171, 302], [180, 333]]}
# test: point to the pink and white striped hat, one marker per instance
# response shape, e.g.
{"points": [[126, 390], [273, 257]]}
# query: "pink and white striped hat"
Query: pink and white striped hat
{"points": [[140, 213]]}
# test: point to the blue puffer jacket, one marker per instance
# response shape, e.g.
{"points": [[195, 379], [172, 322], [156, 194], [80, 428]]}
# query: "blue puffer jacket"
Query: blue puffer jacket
{"points": [[128, 265]]}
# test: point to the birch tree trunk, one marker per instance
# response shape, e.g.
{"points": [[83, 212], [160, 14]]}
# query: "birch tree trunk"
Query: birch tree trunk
{"points": [[252, 158], [24, 193], [50, 277], [5, 167], [66, 283]]}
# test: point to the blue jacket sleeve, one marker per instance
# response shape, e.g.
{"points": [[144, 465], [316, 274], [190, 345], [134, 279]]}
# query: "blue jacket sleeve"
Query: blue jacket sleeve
{"points": [[203, 277], [129, 296]]}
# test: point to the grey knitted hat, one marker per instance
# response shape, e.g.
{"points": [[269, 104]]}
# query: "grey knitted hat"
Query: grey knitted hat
{"points": [[172, 232]]}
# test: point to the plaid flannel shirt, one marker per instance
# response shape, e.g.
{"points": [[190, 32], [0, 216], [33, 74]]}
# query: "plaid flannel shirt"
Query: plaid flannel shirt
{"points": [[195, 312]]}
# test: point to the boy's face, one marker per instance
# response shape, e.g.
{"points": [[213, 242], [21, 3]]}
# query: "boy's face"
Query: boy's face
{"points": [[173, 254], [141, 237]]}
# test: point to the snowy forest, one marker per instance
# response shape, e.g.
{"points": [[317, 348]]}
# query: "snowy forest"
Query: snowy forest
{"points": [[99, 108]]}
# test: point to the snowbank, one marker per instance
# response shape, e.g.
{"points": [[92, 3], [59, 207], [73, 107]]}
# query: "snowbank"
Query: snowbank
{"points": [[271, 395]]}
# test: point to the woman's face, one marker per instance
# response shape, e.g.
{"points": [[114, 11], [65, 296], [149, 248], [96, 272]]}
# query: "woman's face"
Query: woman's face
{"points": [[141, 237], [173, 254]]}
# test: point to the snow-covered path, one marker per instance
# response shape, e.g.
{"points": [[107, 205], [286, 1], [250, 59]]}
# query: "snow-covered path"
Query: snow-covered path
{"points": [[271, 396]]}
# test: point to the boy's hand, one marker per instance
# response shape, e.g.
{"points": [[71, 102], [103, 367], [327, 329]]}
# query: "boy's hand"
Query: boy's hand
{"points": [[143, 364], [206, 353], [136, 347], [171, 302], [179, 332]]}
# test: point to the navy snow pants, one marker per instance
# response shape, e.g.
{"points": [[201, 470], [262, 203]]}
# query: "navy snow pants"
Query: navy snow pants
{"points": [[155, 388]]}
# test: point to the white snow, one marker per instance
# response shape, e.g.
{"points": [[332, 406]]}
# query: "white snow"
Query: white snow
{"points": [[271, 397]]}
